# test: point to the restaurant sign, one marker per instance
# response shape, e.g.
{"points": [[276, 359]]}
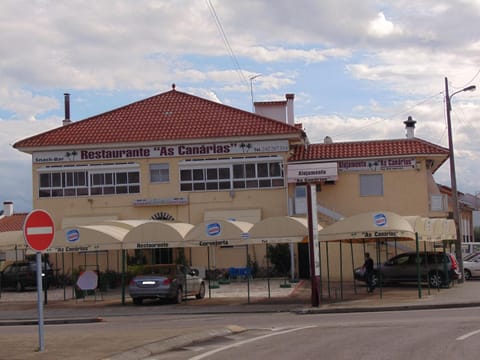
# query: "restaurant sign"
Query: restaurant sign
{"points": [[161, 151], [377, 164], [301, 173]]}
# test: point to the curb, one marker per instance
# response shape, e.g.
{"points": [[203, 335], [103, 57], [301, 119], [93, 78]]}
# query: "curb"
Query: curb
{"points": [[310, 311], [158, 347], [50, 321]]}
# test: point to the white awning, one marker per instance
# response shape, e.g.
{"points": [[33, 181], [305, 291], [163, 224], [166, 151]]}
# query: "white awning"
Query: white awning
{"points": [[151, 234], [11, 240], [218, 233], [88, 238], [74, 221], [370, 226], [280, 229]]}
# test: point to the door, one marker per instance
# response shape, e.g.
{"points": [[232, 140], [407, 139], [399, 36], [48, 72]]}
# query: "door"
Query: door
{"points": [[303, 261]]}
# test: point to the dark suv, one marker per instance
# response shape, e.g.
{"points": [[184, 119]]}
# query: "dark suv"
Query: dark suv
{"points": [[22, 274], [436, 268]]}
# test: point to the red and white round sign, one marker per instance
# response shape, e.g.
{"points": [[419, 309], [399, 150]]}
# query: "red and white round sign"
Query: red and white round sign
{"points": [[39, 230]]}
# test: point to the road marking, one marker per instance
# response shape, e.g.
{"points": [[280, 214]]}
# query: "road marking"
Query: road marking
{"points": [[226, 347], [463, 337]]}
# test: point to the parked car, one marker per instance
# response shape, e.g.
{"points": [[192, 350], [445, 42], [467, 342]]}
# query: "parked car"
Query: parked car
{"points": [[470, 256], [471, 267], [23, 274], [172, 281], [436, 268]]}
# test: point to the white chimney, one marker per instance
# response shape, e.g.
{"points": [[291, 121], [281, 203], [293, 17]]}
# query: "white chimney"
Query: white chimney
{"points": [[290, 113], [8, 208], [410, 127], [278, 110]]}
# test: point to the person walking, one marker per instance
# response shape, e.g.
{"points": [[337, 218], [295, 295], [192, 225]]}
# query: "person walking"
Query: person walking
{"points": [[369, 272]]}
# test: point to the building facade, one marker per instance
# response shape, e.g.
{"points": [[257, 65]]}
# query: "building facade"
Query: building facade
{"points": [[178, 157]]}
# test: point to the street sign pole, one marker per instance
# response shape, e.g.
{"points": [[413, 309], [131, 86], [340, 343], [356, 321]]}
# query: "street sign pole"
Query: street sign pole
{"points": [[41, 338], [314, 245], [39, 232]]}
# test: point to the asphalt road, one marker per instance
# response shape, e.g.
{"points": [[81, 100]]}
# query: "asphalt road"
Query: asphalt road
{"points": [[419, 334], [425, 334]]}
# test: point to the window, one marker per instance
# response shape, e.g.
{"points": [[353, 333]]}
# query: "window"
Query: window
{"points": [[300, 199], [232, 173], [89, 180], [159, 173], [371, 185]]}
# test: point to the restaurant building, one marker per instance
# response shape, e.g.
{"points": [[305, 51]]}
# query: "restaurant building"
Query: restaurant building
{"points": [[180, 158]]}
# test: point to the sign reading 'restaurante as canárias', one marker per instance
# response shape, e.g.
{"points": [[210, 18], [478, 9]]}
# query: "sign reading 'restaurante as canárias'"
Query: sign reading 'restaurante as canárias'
{"points": [[161, 151]]}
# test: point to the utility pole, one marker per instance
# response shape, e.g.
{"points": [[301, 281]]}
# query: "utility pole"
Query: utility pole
{"points": [[453, 178]]}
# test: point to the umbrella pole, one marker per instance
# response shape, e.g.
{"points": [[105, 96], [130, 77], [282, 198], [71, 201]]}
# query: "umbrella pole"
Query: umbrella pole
{"points": [[328, 269], [210, 273], [426, 264], [419, 280], [378, 252], [341, 271], [353, 268], [124, 260]]}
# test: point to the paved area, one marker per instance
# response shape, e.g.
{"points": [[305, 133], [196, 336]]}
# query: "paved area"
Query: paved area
{"points": [[20, 309]]}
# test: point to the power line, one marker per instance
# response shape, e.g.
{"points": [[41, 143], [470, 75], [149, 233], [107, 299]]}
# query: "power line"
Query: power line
{"points": [[226, 42], [392, 116], [468, 82]]}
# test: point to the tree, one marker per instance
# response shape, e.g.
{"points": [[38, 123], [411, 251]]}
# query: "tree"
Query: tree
{"points": [[279, 257]]}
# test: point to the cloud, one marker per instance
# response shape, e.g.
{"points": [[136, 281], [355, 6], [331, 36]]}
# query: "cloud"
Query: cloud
{"points": [[357, 68], [381, 27], [24, 104]]}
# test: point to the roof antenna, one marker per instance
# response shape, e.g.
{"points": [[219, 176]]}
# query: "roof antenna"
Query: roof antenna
{"points": [[251, 89]]}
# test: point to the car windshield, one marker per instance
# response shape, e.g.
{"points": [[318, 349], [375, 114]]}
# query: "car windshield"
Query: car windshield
{"points": [[471, 257]]}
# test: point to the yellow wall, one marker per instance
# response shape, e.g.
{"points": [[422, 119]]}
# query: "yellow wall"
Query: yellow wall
{"points": [[406, 192]]}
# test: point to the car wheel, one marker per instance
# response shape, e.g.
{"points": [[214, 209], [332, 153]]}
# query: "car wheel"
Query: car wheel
{"points": [[138, 301], [436, 279], [179, 296], [19, 286], [201, 291], [468, 274]]}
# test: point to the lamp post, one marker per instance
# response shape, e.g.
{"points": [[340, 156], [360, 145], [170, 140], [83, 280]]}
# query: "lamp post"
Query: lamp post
{"points": [[453, 177]]}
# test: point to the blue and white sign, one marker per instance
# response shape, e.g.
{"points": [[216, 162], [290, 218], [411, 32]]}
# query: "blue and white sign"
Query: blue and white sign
{"points": [[213, 229], [73, 236], [380, 219]]}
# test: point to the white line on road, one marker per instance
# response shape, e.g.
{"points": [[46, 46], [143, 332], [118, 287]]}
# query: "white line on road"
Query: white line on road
{"points": [[467, 335], [240, 343]]}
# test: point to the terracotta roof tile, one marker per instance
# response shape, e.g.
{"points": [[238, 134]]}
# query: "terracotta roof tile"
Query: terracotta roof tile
{"points": [[13, 222], [367, 149], [172, 115]]}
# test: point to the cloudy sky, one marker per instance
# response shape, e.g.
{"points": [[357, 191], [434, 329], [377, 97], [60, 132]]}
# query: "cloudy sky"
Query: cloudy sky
{"points": [[358, 69]]}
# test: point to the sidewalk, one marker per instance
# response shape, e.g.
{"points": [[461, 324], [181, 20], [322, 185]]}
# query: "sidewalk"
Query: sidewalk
{"points": [[21, 308]]}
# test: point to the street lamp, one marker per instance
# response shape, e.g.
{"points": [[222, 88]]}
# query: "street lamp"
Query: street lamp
{"points": [[453, 177]]}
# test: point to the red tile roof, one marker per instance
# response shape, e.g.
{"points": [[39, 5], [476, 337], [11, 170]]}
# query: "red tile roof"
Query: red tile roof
{"points": [[367, 149], [13, 222], [172, 115]]}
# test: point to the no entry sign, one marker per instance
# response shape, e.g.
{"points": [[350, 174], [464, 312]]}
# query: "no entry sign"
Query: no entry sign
{"points": [[39, 230]]}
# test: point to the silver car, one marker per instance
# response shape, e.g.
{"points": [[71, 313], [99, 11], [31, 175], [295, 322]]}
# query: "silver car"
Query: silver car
{"points": [[471, 267], [166, 281]]}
